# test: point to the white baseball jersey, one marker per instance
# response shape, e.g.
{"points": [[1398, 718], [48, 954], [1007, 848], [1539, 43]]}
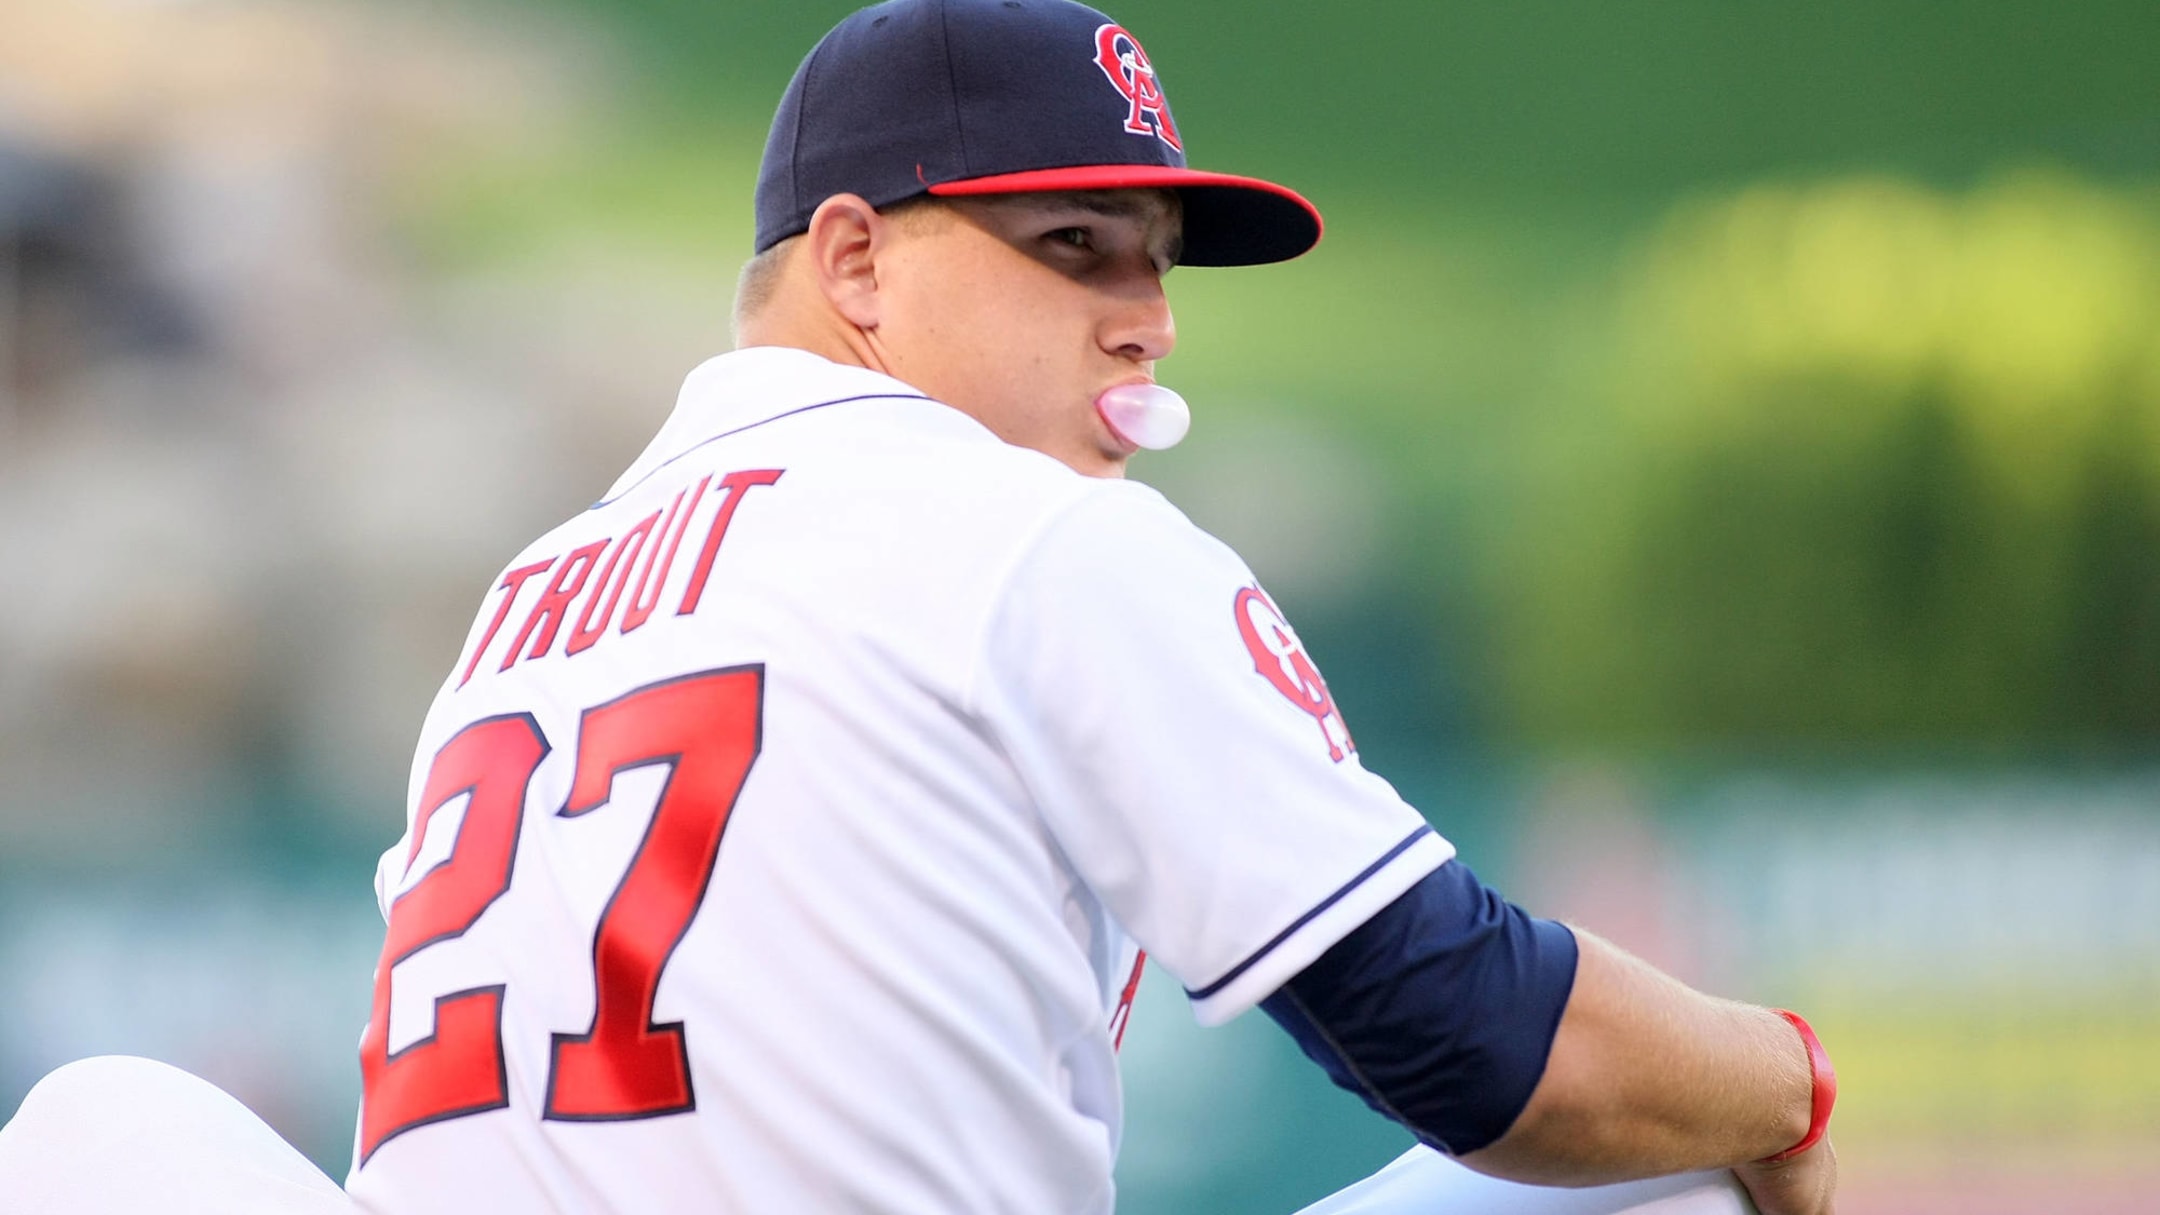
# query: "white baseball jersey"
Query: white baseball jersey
{"points": [[781, 837]]}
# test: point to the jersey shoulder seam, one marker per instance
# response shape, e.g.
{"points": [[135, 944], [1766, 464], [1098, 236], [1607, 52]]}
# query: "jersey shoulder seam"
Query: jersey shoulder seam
{"points": [[1001, 585]]}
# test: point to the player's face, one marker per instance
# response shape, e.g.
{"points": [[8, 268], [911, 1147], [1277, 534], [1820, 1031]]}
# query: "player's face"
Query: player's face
{"points": [[1021, 309]]}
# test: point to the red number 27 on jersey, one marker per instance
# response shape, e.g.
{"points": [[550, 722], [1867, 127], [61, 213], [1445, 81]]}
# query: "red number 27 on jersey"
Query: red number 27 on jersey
{"points": [[706, 728]]}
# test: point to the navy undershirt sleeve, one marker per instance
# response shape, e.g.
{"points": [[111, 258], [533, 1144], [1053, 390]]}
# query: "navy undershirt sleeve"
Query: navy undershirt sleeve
{"points": [[1439, 1011]]}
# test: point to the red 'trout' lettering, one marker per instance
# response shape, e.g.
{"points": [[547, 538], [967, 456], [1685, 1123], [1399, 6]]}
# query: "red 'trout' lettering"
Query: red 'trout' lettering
{"points": [[653, 580], [656, 538], [512, 583], [547, 614], [625, 555], [738, 486]]}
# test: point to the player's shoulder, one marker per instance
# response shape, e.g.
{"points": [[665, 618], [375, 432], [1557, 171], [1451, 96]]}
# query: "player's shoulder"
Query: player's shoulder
{"points": [[1131, 509], [1128, 531], [866, 425], [1053, 526], [914, 452], [1019, 516]]}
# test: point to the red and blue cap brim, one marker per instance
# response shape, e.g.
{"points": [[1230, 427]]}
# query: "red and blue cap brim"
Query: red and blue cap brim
{"points": [[1229, 220]]}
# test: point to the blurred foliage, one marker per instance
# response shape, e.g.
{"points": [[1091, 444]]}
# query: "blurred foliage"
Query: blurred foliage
{"points": [[1555, 97], [1880, 465], [658, 190]]}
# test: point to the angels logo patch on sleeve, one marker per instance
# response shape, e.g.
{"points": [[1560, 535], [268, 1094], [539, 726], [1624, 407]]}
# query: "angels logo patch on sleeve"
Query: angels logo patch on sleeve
{"points": [[1280, 658]]}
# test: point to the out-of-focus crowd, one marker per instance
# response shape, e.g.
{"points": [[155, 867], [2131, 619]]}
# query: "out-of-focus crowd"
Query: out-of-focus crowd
{"points": [[258, 459]]}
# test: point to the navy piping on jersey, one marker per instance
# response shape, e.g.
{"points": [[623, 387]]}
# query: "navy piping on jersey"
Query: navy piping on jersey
{"points": [[868, 396], [1307, 918]]}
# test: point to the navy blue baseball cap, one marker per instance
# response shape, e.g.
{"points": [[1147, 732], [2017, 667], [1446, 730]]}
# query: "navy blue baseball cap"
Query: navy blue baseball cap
{"points": [[973, 97]]}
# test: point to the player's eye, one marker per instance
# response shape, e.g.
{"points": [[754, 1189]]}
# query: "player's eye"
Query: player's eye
{"points": [[1076, 238]]}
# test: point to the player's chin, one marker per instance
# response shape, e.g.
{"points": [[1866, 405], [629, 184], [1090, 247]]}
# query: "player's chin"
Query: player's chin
{"points": [[1106, 440], [1109, 466], [1097, 456], [1107, 450]]}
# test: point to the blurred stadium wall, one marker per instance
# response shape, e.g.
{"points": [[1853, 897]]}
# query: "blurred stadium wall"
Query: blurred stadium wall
{"points": [[1713, 455]]}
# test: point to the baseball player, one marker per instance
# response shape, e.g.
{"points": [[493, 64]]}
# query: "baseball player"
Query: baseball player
{"points": [[788, 831]]}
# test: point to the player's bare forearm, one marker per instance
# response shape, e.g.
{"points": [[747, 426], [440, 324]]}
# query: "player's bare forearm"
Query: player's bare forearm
{"points": [[1647, 1076]]}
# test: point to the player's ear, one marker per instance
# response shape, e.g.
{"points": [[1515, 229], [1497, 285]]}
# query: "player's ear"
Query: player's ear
{"points": [[842, 243]]}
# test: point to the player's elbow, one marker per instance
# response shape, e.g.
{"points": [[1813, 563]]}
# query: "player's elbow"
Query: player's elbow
{"points": [[1574, 1134], [1439, 1011]]}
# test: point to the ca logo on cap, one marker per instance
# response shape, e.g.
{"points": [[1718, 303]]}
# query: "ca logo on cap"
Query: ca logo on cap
{"points": [[1119, 55]]}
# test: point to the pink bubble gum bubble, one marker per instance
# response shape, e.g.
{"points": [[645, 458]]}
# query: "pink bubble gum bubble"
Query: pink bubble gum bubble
{"points": [[1145, 415]]}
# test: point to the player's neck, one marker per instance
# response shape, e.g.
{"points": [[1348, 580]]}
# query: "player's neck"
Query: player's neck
{"points": [[832, 339]]}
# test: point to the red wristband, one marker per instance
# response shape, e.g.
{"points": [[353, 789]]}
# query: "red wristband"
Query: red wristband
{"points": [[1825, 1077]]}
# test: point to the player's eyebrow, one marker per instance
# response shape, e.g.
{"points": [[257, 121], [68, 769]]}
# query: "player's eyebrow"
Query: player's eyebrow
{"points": [[1121, 206], [1143, 207]]}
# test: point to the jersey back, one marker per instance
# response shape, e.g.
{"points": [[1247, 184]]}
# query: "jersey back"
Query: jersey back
{"points": [[750, 866]]}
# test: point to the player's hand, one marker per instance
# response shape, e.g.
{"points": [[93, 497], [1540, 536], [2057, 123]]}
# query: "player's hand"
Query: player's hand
{"points": [[1803, 1185]]}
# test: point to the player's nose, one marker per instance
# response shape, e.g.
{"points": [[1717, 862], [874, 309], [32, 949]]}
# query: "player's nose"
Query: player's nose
{"points": [[1141, 328]]}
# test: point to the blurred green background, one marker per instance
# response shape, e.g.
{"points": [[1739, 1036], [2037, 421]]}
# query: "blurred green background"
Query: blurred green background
{"points": [[1715, 455]]}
